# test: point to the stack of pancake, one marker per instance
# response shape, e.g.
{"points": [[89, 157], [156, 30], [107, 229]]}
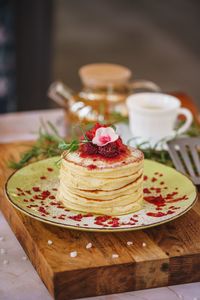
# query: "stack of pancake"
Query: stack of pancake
{"points": [[102, 187]]}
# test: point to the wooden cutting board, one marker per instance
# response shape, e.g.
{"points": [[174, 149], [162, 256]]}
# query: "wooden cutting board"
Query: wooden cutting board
{"points": [[171, 255]]}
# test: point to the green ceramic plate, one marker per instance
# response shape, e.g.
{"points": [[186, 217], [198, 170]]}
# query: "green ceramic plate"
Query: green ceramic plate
{"points": [[167, 195]]}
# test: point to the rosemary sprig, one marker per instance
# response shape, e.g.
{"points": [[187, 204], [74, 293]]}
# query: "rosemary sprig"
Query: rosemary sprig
{"points": [[117, 117], [161, 156], [158, 153], [194, 129], [45, 146], [154, 152], [50, 143]]}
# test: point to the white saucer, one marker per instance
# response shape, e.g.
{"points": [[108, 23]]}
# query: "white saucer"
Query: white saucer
{"points": [[142, 143]]}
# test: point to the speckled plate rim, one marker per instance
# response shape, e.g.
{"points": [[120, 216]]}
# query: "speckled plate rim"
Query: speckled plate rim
{"points": [[113, 229]]}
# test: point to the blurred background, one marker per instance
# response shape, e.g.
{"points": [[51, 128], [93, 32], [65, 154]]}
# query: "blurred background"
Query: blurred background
{"points": [[46, 40]]}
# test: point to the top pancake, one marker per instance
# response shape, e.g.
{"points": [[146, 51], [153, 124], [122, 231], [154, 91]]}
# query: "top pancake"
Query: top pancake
{"points": [[130, 164]]}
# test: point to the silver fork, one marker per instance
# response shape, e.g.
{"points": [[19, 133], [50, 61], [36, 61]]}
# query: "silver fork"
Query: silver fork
{"points": [[185, 153]]}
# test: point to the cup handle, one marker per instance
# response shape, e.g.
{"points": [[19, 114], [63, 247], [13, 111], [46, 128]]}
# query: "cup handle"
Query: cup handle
{"points": [[189, 118], [145, 84]]}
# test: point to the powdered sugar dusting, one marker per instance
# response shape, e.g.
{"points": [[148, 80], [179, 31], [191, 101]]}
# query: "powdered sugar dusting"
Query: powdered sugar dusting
{"points": [[74, 157]]}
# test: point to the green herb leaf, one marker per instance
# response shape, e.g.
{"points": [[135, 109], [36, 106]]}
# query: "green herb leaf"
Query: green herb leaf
{"points": [[64, 146]]}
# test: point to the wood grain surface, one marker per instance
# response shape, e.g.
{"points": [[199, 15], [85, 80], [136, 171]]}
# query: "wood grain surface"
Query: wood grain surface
{"points": [[171, 255]]}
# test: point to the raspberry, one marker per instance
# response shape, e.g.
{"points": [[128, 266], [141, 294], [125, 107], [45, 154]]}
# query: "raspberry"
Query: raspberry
{"points": [[89, 135], [89, 148], [119, 143], [109, 150]]}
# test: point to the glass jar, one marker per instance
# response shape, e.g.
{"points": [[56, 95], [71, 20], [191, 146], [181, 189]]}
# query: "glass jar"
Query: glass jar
{"points": [[102, 97]]}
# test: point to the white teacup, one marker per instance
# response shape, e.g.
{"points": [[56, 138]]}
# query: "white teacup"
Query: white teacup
{"points": [[153, 116]]}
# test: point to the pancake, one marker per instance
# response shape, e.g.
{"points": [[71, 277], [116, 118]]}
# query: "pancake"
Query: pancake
{"points": [[112, 187], [121, 209], [129, 165], [105, 194], [92, 182], [125, 199]]}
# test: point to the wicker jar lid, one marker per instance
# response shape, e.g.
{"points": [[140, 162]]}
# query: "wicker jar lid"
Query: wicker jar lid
{"points": [[103, 75]]}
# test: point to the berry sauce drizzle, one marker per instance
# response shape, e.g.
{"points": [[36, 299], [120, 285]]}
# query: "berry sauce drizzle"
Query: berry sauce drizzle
{"points": [[157, 196], [43, 201]]}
